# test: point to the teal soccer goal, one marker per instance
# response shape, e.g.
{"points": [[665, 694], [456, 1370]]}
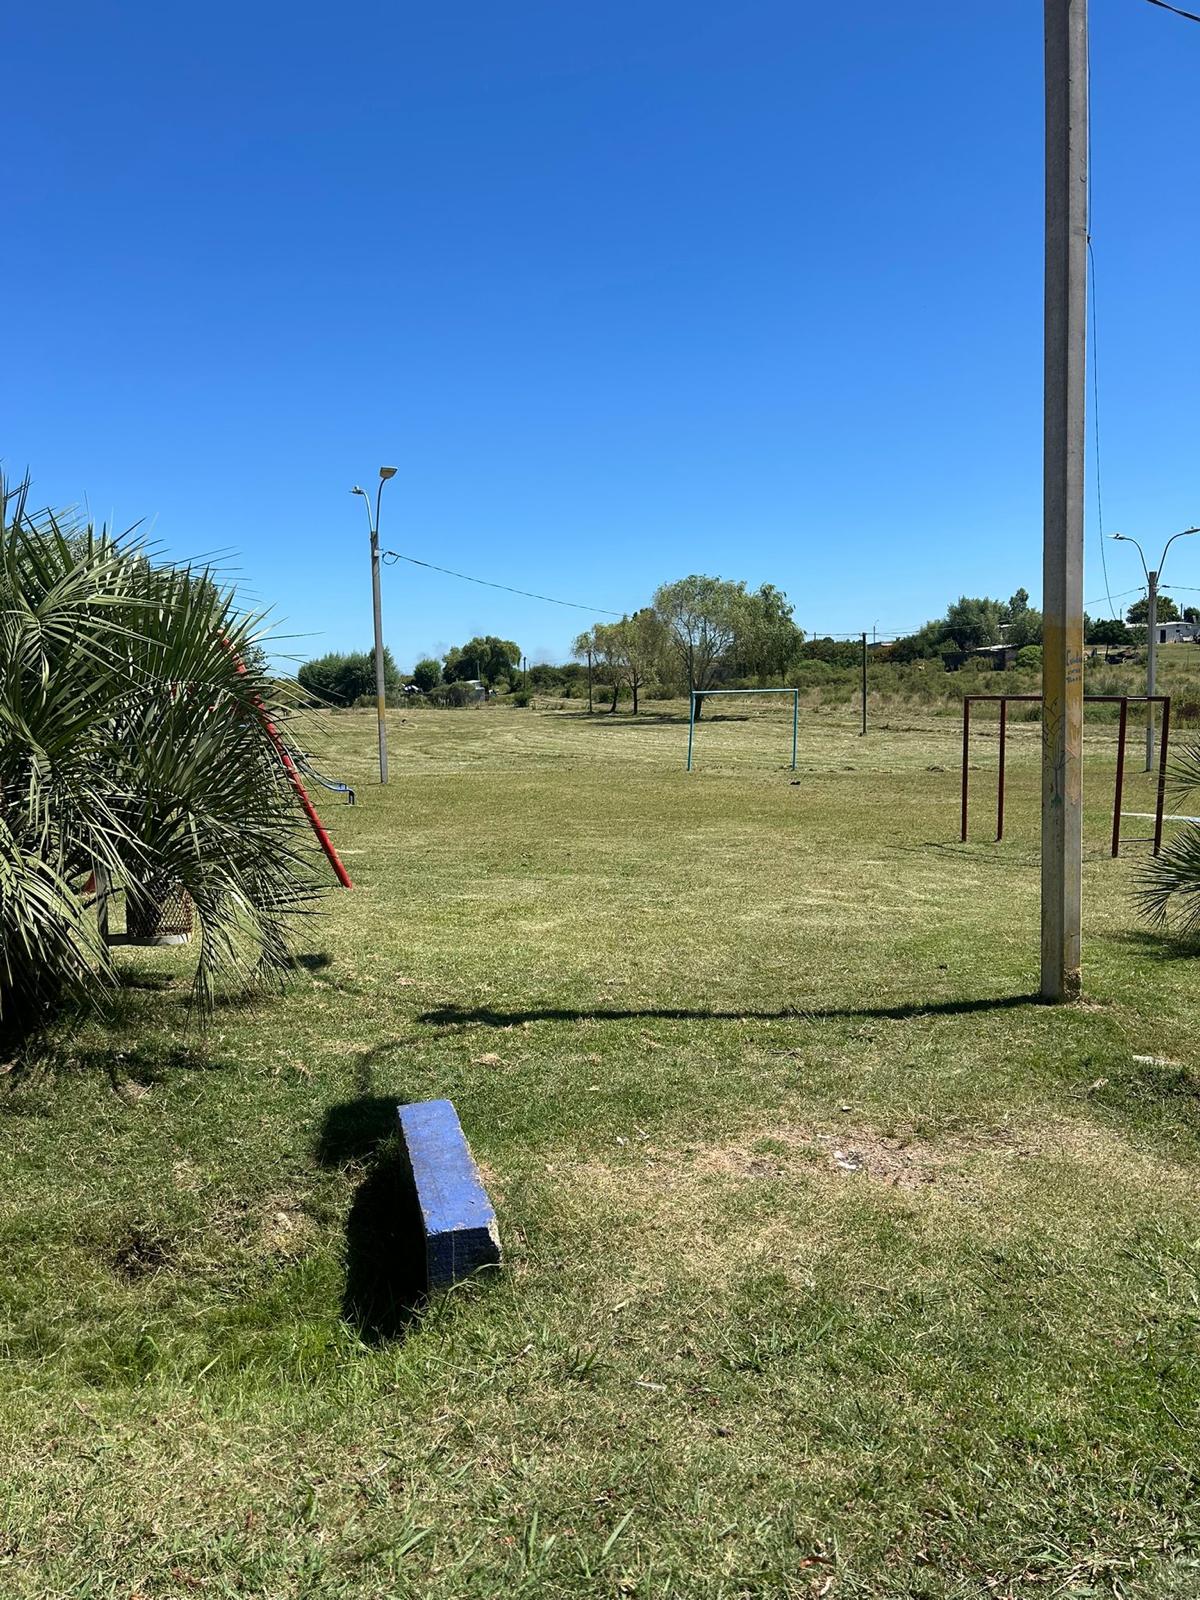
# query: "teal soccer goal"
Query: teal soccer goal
{"points": [[711, 694]]}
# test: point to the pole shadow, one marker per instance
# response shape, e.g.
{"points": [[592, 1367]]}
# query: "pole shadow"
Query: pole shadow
{"points": [[449, 1016]]}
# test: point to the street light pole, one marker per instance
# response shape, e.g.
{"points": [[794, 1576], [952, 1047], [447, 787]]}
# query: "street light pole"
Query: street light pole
{"points": [[1151, 653], [377, 604], [1152, 579]]}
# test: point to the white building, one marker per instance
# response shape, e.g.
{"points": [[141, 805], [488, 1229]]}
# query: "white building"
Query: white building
{"points": [[1169, 632]]}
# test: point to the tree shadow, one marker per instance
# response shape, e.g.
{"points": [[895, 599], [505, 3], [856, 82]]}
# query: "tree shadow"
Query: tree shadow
{"points": [[1161, 944], [602, 717], [385, 1284], [489, 1016], [313, 960], [145, 1065]]}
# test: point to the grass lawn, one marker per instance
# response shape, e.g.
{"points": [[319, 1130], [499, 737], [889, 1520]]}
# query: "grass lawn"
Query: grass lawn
{"points": [[837, 1265]]}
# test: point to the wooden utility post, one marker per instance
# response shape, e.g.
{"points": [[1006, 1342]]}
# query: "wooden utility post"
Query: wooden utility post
{"points": [[1063, 454], [864, 685]]}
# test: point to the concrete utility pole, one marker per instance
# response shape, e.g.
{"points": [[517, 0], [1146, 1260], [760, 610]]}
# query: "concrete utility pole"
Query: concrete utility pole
{"points": [[589, 683], [380, 676], [1063, 455]]}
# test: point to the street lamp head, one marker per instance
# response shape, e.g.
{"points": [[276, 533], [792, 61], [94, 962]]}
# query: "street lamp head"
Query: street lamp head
{"points": [[357, 490], [387, 472]]}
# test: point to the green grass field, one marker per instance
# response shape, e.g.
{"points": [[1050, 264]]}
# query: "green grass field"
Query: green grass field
{"points": [[837, 1265]]}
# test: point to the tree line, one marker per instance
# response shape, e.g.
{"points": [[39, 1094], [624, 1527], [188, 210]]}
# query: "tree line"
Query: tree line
{"points": [[698, 634]]}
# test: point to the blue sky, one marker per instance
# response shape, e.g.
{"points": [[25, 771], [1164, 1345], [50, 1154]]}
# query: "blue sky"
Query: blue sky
{"points": [[624, 291]]}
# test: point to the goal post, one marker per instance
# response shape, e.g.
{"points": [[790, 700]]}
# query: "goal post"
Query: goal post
{"points": [[712, 694]]}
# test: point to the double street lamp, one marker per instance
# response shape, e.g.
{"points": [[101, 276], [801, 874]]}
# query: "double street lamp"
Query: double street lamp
{"points": [[1152, 577], [380, 678]]}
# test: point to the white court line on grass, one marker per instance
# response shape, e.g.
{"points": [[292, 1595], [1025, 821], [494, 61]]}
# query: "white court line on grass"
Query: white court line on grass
{"points": [[1167, 817]]}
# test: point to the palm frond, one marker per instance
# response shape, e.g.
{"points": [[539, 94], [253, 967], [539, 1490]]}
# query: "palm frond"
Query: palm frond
{"points": [[132, 740]]}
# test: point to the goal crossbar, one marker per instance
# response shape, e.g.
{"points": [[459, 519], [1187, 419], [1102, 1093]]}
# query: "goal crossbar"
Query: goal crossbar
{"points": [[711, 694]]}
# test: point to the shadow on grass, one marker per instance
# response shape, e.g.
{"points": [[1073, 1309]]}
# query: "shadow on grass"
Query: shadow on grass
{"points": [[146, 1065], [385, 1244], [451, 1015], [1160, 945], [602, 717], [313, 960]]}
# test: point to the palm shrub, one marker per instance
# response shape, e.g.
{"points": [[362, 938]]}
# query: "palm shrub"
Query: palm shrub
{"points": [[133, 744], [1168, 885]]}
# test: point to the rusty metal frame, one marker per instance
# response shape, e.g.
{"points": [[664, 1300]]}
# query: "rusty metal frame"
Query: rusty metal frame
{"points": [[1123, 700]]}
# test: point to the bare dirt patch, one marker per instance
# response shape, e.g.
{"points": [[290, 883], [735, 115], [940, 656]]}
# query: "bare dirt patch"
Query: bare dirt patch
{"points": [[902, 1159]]}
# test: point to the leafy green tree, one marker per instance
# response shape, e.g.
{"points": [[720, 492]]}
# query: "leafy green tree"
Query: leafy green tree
{"points": [[133, 744], [712, 623], [1021, 624], [600, 644], [974, 623], [1107, 631], [427, 674], [317, 677], [1167, 610], [489, 659], [624, 654], [1191, 613], [340, 679], [971, 623]]}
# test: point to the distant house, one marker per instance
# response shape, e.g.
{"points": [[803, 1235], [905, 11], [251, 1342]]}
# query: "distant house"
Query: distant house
{"points": [[998, 656], [1170, 632]]}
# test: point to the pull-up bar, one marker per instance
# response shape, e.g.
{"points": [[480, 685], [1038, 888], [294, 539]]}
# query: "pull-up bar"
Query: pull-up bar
{"points": [[707, 694], [1122, 700]]}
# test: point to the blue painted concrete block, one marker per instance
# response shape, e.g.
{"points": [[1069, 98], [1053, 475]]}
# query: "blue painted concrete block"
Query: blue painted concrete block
{"points": [[460, 1226]]}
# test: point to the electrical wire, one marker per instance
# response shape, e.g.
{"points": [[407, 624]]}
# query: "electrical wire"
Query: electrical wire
{"points": [[1120, 595], [1096, 358], [1189, 16], [390, 557]]}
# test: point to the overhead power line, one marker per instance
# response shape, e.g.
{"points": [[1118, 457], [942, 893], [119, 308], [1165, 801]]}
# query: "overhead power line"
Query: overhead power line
{"points": [[1162, 4], [392, 556], [1120, 595]]}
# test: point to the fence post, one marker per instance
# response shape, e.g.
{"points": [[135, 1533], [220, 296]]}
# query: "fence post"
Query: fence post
{"points": [[864, 683], [1165, 702], [1116, 831], [1000, 785], [966, 744]]}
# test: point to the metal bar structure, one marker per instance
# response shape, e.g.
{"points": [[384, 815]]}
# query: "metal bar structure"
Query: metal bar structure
{"points": [[1122, 700], [1162, 772], [1120, 788], [711, 694], [293, 777]]}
